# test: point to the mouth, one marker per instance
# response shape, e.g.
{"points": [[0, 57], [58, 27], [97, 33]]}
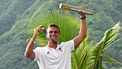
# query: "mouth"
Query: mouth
{"points": [[53, 39]]}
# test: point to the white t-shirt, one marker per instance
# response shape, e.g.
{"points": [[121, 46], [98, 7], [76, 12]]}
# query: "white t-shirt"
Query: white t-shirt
{"points": [[59, 58]]}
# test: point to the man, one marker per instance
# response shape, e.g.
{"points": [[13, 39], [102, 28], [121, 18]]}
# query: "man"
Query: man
{"points": [[54, 56]]}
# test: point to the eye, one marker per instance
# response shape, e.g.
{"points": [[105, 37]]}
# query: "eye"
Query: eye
{"points": [[50, 32], [55, 32]]}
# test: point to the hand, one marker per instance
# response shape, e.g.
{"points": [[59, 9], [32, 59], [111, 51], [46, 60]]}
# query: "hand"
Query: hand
{"points": [[81, 12], [37, 30]]}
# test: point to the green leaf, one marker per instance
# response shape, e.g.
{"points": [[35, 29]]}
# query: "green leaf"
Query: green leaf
{"points": [[111, 60]]}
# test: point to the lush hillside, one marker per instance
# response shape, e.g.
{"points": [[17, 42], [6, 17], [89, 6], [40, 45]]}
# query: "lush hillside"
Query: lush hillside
{"points": [[16, 18]]}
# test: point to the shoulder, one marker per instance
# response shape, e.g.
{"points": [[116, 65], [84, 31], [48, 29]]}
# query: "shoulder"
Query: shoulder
{"points": [[70, 42], [39, 49]]}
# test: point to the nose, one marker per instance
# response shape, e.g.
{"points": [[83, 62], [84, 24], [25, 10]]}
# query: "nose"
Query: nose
{"points": [[53, 33]]}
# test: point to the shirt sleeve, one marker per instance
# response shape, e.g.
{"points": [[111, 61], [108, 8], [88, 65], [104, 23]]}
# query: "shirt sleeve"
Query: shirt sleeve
{"points": [[69, 45], [37, 53]]}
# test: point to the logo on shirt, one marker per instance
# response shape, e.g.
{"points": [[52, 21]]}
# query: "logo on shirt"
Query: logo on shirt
{"points": [[48, 52], [60, 49]]}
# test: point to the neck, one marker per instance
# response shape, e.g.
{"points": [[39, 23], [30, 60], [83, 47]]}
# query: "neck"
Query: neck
{"points": [[51, 45]]}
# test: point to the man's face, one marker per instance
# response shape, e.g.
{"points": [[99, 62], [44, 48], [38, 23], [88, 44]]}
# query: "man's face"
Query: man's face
{"points": [[53, 32]]}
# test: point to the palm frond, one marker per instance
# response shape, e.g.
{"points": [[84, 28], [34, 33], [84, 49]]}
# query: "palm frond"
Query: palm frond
{"points": [[81, 55], [111, 60], [109, 36]]}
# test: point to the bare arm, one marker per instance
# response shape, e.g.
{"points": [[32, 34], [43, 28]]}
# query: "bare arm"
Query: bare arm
{"points": [[82, 33], [29, 49]]}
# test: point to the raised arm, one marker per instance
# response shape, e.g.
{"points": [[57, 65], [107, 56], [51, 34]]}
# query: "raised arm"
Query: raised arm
{"points": [[29, 49], [83, 30]]}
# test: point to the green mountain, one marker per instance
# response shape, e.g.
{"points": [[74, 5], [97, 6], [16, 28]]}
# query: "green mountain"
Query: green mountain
{"points": [[16, 17]]}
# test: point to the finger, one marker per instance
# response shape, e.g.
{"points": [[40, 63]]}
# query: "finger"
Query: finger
{"points": [[41, 27], [81, 13], [80, 8]]}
